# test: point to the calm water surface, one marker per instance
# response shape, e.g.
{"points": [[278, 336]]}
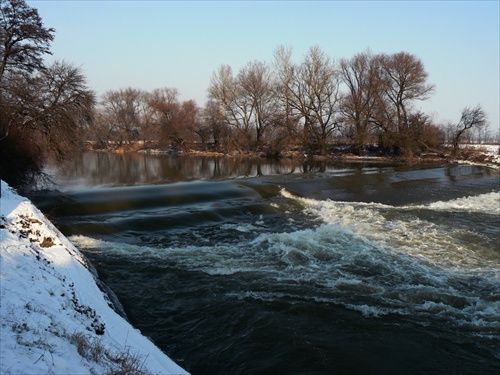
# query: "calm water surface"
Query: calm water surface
{"points": [[267, 267]]}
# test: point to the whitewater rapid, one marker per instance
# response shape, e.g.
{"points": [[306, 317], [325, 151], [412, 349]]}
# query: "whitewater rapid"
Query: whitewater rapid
{"points": [[414, 261]]}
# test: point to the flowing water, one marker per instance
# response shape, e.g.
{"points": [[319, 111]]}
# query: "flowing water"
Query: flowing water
{"points": [[260, 267]]}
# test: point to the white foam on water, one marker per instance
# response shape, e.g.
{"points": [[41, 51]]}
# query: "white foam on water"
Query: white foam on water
{"points": [[95, 245], [373, 258], [398, 229], [488, 203], [211, 259], [405, 264], [243, 228]]}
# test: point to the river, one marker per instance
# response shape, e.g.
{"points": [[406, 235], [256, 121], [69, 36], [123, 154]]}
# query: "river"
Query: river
{"points": [[279, 267]]}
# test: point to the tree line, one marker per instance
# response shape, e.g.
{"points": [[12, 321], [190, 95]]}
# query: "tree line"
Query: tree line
{"points": [[312, 106]]}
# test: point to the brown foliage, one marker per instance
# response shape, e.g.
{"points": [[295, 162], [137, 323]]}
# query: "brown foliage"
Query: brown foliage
{"points": [[43, 116]]}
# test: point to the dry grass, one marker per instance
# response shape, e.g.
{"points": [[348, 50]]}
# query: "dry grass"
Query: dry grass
{"points": [[116, 362]]}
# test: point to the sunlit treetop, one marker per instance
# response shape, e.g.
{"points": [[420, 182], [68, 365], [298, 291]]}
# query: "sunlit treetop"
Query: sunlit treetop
{"points": [[23, 38]]}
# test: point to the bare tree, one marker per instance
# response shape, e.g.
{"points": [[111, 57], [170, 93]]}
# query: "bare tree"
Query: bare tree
{"points": [[122, 110], [214, 126], [99, 133], [469, 119], [47, 110], [149, 129], [201, 127], [284, 75], [402, 80], [359, 76], [166, 106], [23, 38], [314, 94], [64, 107], [223, 90], [53, 101], [256, 86], [188, 120], [23, 42]]}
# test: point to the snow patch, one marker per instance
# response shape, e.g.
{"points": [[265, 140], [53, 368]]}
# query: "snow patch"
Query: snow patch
{"points": [[483, 154]]}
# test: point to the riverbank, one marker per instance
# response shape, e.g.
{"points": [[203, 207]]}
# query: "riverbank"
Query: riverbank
{"points": [[55, 319], [474, 154]]}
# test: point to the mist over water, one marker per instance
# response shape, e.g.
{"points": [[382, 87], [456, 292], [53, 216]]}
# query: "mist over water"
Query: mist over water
{"points": [[319, 270]]}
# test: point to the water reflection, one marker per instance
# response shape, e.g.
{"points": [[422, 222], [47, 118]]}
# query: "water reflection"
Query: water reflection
{"points": [[92, 168]]}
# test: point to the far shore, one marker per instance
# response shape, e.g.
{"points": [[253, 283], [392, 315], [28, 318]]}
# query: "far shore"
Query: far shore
{"points": [[486, 155]]}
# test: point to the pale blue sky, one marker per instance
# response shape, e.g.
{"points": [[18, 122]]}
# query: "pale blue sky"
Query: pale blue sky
{"points": [[153, 44]]}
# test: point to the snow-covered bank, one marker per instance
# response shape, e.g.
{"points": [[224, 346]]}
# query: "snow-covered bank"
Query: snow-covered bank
{"points": [[481, 154], [54, 317]]}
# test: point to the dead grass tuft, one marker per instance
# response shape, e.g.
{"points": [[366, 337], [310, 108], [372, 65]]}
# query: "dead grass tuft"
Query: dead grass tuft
{"points": [[116, 362]]}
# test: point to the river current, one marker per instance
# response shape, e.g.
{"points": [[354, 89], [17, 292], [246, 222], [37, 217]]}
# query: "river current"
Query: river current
{"points": [[261, 267]]}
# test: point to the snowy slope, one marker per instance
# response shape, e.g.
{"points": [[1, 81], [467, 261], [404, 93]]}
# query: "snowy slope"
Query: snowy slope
{"points": [[484, 154], [54, 318]]}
